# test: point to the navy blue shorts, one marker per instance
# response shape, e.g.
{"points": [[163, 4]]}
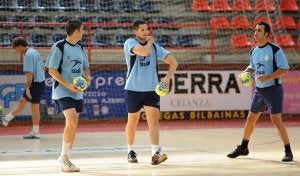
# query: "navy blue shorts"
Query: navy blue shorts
{"points": [[68, 103], [36, 90], [267, 98], [136, 100]]}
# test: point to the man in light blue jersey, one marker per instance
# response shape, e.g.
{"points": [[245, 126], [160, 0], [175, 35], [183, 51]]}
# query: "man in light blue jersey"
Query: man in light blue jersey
{"points": [[268, 63], [33, 66], [67, 60], [141, 55]]}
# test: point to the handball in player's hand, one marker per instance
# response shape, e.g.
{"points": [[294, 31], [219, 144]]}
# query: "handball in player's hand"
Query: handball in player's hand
{"points": [[80, 82], [161, 90], [246, 79]]}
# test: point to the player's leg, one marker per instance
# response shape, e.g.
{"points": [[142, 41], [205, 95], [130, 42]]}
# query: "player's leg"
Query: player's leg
{"points": [[242, 149], [70, 128], [250, 124], [71, 109], [275, 99], [257, 106], [277, 121], [36, 115], [152, 114], [36, 90], [134, 104], [132, 121], [35, 132], [16, 110]]}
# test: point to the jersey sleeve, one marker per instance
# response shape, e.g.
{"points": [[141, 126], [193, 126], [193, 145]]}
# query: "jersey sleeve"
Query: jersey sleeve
{"points": [[28, 63], [54, 57], [85, 59], [251, 65], [281, 60], [128, 45], [161, 53]]}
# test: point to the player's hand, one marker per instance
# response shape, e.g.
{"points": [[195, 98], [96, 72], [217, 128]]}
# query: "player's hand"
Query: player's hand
{"points": [[165, 82], [28, 93], [240, 75], [74, 88], [150, 40], [263, 78], [88, 80]]}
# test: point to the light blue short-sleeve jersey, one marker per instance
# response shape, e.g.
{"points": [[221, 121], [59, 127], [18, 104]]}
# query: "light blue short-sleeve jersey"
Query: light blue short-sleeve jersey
{"points": [[142, 74], [73, 63], [34, 63], [262, 61]]}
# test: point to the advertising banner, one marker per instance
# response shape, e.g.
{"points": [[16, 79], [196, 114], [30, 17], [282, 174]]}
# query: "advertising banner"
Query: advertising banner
{"points": [[206, 91], [204, 94], [291, 87]]}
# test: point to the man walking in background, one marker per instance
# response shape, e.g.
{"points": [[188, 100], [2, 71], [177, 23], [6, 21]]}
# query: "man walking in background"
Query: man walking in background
{"points": [[33, 66]]}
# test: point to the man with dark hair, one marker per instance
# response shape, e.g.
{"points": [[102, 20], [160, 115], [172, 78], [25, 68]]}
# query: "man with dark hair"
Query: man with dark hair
{"points": [[35, 83], [268, 63], [141, 55], [67, 96]]}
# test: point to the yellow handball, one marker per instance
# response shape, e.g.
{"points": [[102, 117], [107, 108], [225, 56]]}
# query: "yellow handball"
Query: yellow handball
{"points": [[161, 90], [246, 79], [80, 82]]}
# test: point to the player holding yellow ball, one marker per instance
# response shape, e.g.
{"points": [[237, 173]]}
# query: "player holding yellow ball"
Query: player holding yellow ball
{"points": [[80, 82], [246, 78], [66, 61], [269, 64], [142, 55]]}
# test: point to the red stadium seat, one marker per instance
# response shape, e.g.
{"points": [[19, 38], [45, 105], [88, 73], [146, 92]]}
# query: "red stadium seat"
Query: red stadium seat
{"points": [[264, 5], [220, 5], [241, 5], [285, 22], [284, 40], [288, 5], [219, 22], [240, 40], [298, 41], [200, 5], [262, 18], [238, 22]]}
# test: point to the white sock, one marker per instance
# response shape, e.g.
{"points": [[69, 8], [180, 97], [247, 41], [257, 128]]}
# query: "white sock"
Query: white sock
{"points": [[65, 149], [130, 147], [9, 117], [36, 128], [154, 149]]}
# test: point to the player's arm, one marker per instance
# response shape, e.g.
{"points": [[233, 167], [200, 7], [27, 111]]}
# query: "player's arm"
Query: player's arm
{"points": [[249, 70], [143, 50], [170, 59], [278, 73], [282, 69], [29, 79], [87, 75], [56, 75]]}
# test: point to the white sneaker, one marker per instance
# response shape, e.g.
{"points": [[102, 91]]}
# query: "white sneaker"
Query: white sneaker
{"points": [[32, 135], [66, 165], [3, 121]]}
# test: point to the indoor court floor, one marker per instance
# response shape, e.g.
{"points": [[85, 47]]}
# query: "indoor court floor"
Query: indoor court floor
{"points": [[193, 149]]}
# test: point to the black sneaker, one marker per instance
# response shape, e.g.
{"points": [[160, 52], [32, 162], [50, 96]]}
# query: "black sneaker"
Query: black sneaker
{"points": [[158, 158], [238, 151], [132, 157], [288, 157]]}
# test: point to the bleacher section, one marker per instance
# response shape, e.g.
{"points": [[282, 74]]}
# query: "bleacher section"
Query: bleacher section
{"points": [[223, 26]]}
